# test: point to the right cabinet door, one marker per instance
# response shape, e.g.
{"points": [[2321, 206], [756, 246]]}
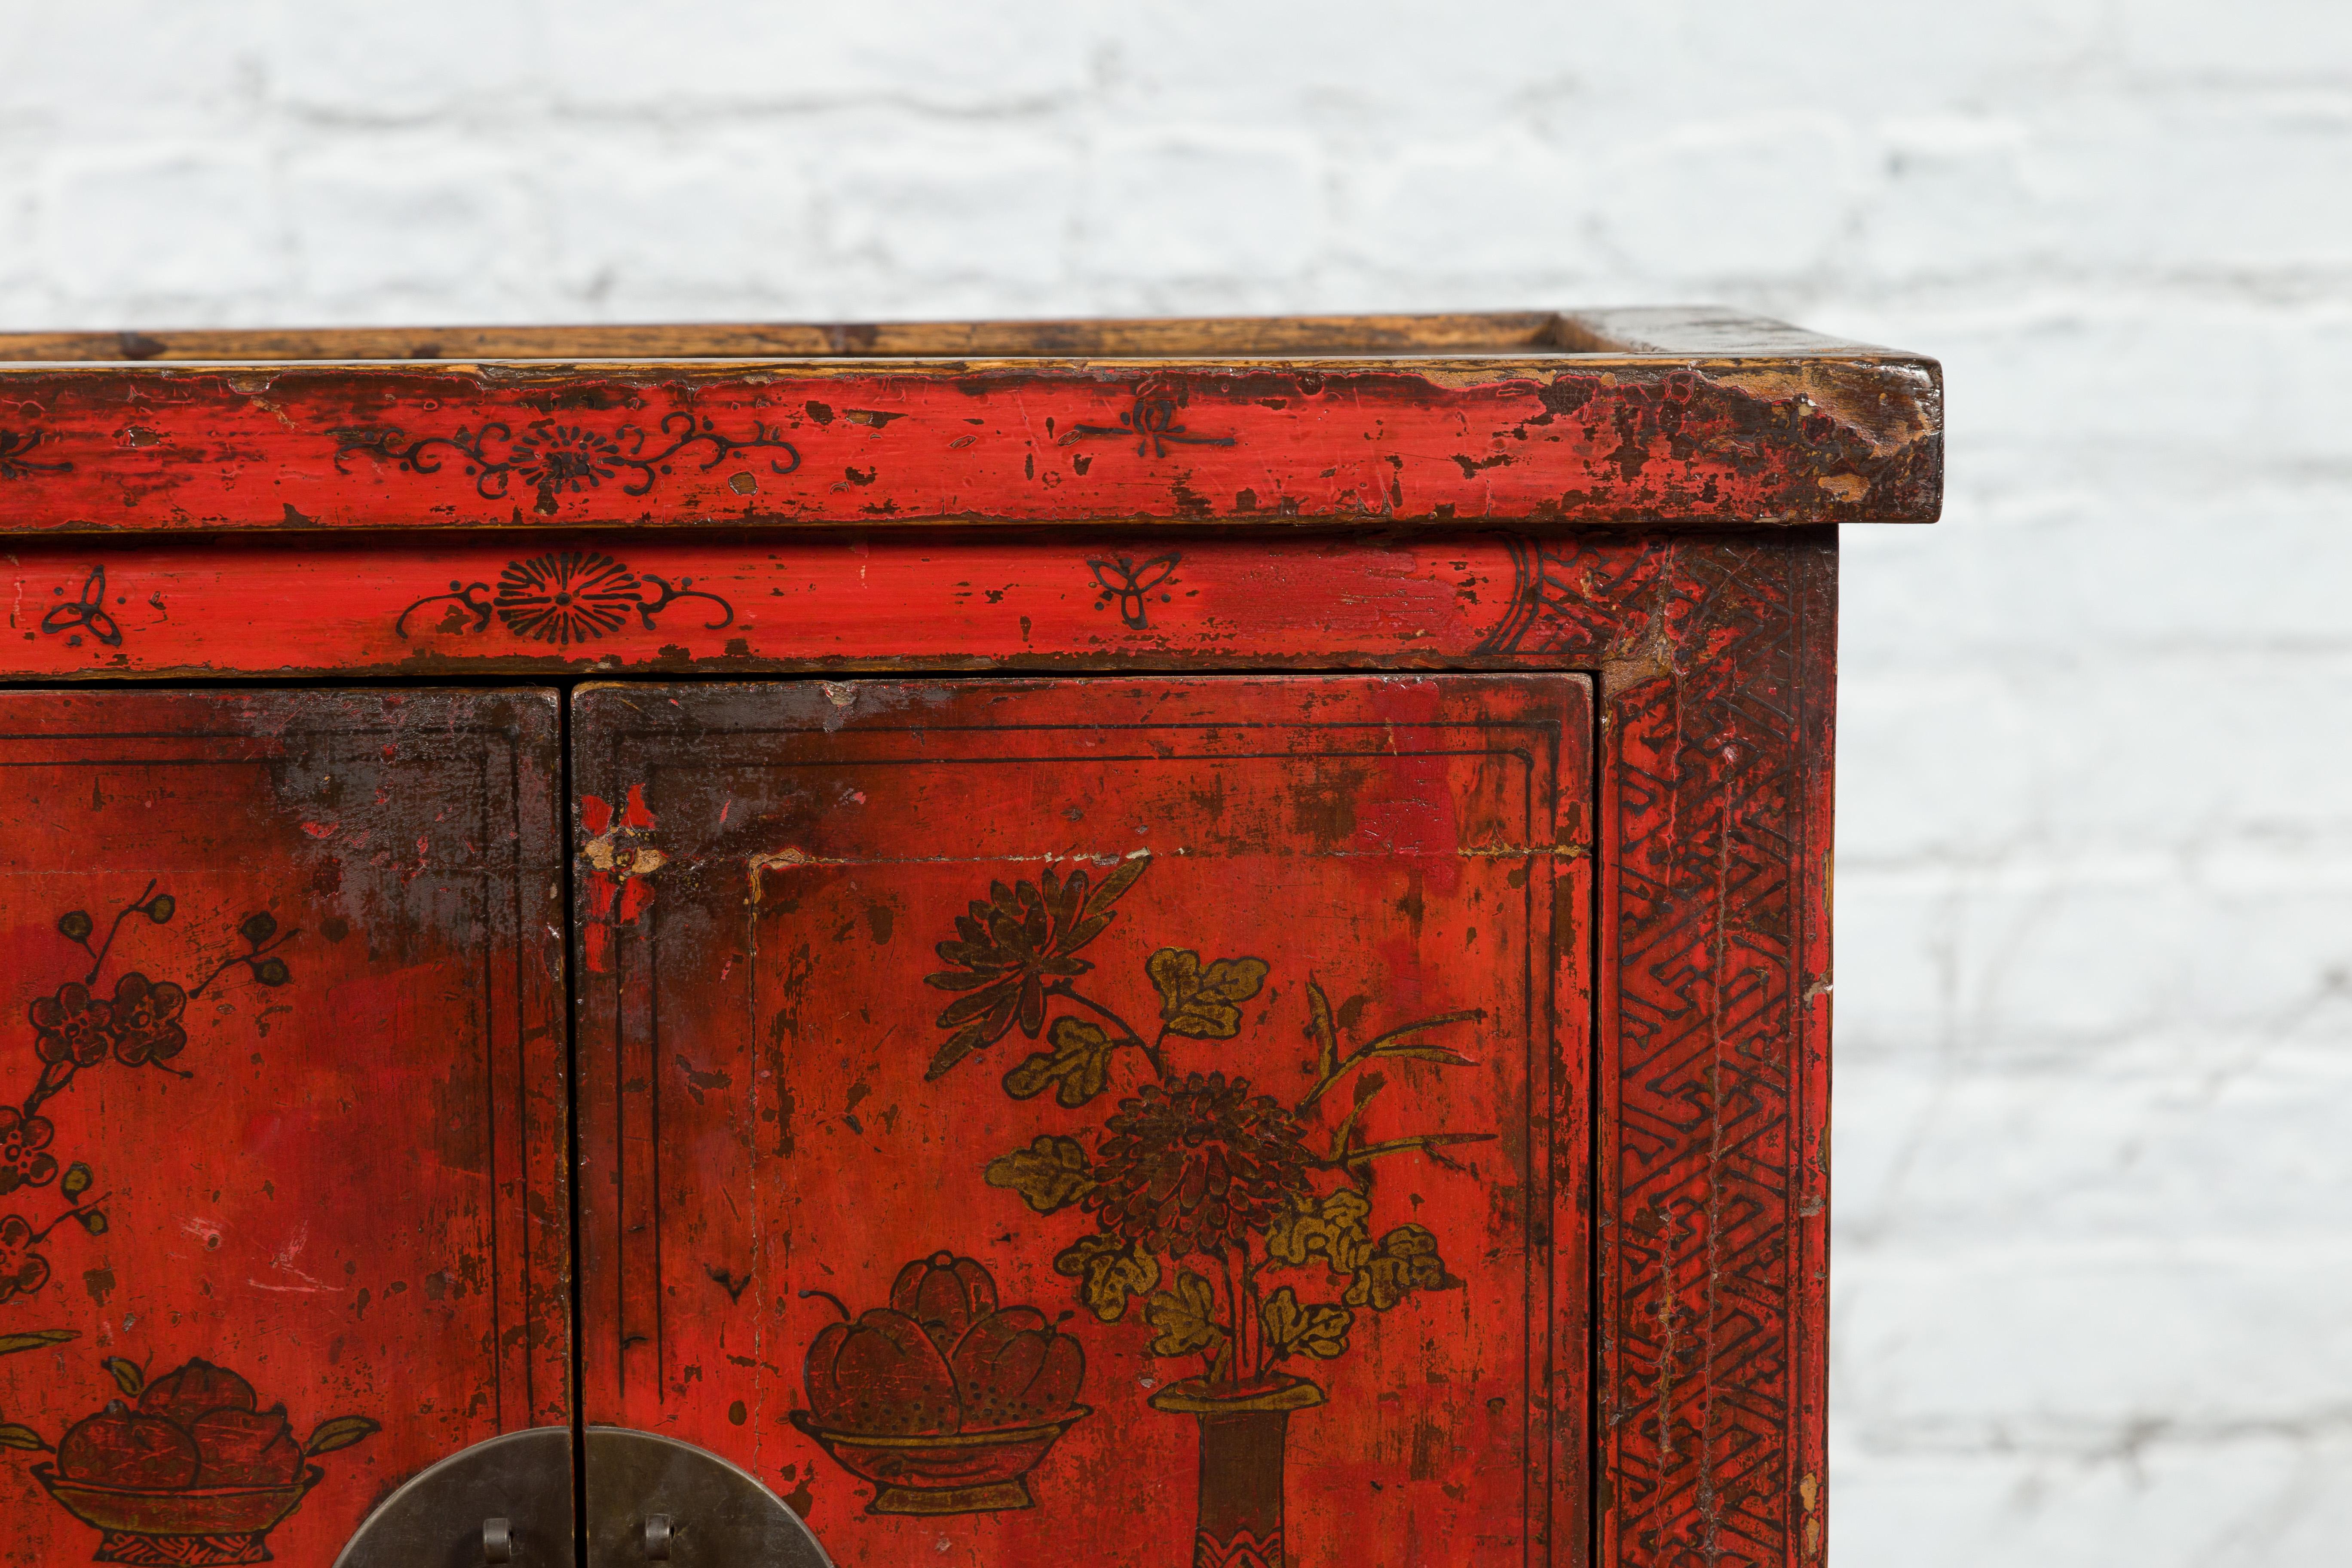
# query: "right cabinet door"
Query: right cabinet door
{"points": [[1130, 1120]]}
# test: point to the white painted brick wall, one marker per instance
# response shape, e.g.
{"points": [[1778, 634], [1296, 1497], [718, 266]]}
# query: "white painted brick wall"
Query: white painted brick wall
{"points": [[2094, 1249]]}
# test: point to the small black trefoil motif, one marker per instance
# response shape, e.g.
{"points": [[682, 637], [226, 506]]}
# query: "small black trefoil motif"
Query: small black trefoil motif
{"points": [[1127, 582], [87, 612]]}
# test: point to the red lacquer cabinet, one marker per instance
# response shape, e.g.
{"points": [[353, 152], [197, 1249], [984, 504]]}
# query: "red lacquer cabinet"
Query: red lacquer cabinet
{"points": [[1182, 942]]}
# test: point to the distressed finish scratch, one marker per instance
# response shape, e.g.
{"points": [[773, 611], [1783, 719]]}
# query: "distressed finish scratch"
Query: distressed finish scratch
{"points": [[1319, 1056]]}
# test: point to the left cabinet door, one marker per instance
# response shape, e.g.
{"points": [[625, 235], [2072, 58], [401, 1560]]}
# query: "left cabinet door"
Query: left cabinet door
{"points": [[284, 1216]]}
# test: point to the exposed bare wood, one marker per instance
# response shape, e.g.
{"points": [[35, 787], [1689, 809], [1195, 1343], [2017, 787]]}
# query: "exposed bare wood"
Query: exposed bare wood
{"points": [[1709, 331]]}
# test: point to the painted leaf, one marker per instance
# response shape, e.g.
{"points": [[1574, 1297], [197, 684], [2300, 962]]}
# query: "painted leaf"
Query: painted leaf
{"points": [[957, 1045], [127, 1375], [1114, 887], [1366, 1086], [340, 1433], [1429, 1054], [34, 1340], [1406, 1260], [1388, 1045], [77, 1181], [1185, 1317], [1108, 1274], [1051, 1174], [1202, 1002], [1294, 1328], [1077, 1068], [15, 1436], [1332, 1229], [1319, 1030]]}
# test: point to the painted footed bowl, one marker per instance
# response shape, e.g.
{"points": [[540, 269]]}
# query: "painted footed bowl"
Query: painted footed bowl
{"points": [[195, 1511], [953, 1472]]}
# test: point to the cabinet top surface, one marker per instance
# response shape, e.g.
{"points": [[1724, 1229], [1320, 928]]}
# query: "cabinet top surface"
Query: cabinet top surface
{"points": [[1648, 417], [1668, 333]]}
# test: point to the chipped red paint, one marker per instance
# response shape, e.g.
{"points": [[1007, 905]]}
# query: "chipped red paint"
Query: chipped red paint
{"points": [[155, 447], [273, 607], [796, 1118], [1665, 1406], [621, 859], [1714, 654], [283, 1100]]}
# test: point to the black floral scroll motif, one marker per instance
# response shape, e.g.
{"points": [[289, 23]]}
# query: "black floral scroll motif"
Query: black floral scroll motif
{"points": [[87, 612], [1151, 424], [567, 597], [77, 1028], [14, 445], [553, 457], [1127, 582]]}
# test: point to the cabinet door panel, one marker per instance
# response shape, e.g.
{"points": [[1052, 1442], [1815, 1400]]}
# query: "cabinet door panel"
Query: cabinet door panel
{"points": [[1132, 1121], [283, 1207]]}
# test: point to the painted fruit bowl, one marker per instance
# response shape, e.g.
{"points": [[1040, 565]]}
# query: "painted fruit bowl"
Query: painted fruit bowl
{"points": [[951, 1472], [221, 1524]]}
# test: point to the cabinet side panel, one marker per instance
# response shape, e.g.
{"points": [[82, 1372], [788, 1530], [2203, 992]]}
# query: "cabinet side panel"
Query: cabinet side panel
{"points": [[1713, 938]]}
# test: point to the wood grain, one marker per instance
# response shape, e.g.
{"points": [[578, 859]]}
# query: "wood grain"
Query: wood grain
{"points": [[1410, 853], [283, 1145], [1669, 330], [1242, 423]]}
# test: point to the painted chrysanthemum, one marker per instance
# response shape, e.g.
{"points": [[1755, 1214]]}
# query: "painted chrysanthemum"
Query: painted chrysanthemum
{"points": [[1007, 951], [567, 597], [1197, 1165], [566, 457]]}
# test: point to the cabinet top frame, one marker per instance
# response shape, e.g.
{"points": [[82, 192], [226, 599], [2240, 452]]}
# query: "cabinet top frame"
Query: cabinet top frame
{"points": [[1652, 417]]}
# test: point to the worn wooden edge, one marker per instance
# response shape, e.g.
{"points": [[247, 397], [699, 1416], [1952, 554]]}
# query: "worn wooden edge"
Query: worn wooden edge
{"points": [[1817, 614], [1669, 330], [1443, 442], [1446, 368]]}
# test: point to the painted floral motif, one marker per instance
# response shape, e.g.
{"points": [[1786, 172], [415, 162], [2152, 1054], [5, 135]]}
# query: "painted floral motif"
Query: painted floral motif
{"points": [[25, 1159], [78, 1029], [22, 1269], [1197, 1166], [1006, 950], [1150, 423], [564, 598], [15, 450], [549, 457], [1203, 1192], [87, 612], [574, 596], [557, 460], [1128, 584], [73, 1028], [145, 1023], [621, 857]]}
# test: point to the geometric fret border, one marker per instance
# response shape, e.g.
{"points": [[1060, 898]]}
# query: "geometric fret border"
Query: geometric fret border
{"points": [[1717, 662]]}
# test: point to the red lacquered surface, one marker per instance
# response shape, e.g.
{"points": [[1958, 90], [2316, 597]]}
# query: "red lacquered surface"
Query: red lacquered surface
{"points": [[282, 1167]]}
